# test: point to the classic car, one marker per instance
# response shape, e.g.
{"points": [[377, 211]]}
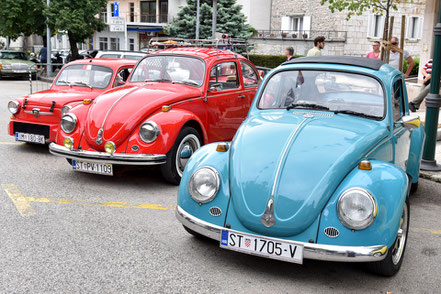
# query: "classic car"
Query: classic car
{"points": [[322, 168], [36, 117], [174, 101], [16, 64]]}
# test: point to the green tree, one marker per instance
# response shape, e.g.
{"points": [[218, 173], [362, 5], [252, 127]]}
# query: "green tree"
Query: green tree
{"points": [[230, 20], [77, 18], [22, 17]]}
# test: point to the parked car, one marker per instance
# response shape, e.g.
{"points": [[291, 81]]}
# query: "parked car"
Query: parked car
{"points": [[320, 169], [175, 101], [16, 64], [120, 54], [36, 117]]}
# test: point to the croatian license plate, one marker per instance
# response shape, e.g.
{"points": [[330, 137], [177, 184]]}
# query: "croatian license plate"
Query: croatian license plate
{"points": [[31, 138], [93, 167], [256, 245]]}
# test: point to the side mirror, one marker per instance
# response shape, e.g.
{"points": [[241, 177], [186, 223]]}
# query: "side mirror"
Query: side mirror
{"points": [[215, 87], [410, 121]]}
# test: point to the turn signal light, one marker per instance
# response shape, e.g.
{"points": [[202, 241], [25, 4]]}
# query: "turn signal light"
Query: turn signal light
{"points": [[1, 66], [87, 101], [109, 147], [222, 147], [166, 108], [68, 143], [365, 165]]}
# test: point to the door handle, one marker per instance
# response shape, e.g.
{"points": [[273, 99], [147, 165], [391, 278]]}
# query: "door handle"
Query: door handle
{"points": [[241, 96]]}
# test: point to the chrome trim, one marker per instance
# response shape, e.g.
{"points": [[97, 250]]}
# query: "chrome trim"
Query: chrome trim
{"points": [[75, 120], [267, 218], [216, 173], [310, 250], [113, 145], [155, 127], [372, 215], [41, 113], [118, 158], [283, 157]]}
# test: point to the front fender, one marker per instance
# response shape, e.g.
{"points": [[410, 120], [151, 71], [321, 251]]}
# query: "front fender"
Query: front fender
{"points": [[389, 185], [80, 112], [206, 156]]}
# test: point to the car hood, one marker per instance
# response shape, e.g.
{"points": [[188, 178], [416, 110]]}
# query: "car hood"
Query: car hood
{"points": [[120, 110], [12, 61], [298, 161], [60, 96]]}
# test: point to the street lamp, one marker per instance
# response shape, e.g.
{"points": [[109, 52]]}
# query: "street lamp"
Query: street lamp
{"points": [[197, 19], [213, 28], [433, 103]]}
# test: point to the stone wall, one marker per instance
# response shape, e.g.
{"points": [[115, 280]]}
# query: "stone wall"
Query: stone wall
{"points": [[301, 47]]}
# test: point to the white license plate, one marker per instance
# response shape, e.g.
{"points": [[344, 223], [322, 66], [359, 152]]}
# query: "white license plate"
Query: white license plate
{"points": [[93, 167], [20, 71], [31, 138], [256, 245]]}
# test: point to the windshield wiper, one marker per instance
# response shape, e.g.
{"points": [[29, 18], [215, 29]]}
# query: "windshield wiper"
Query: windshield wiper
{"points": [[191, 83], [83, 83], [356, 113], [65, 82], [158, 80], [307, 105]]}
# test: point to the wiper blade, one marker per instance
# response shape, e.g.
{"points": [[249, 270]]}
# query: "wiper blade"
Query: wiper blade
{"points": [[191, 83], [158, 80], [356, 113], [83, 83], [65, 82], [307, 105]]}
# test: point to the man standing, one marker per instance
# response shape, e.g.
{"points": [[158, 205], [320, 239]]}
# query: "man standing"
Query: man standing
{"points": [[394, 57], [289, 53], [319, 44], [414, 105], [375, 53]]}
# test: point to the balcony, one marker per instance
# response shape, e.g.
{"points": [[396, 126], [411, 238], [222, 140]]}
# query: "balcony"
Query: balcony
{"points": [[300, 35]]}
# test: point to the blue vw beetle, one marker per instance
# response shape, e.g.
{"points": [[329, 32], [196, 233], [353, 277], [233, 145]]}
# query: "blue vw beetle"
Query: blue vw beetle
{"points": [[322, 168]]}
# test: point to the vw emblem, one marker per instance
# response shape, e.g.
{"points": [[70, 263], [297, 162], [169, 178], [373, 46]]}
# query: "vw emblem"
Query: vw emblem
{"points": [[36, 112]]}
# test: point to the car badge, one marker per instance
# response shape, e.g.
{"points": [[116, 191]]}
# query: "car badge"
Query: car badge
{"points": [[268, 217], [99, 137], [36, 112]]}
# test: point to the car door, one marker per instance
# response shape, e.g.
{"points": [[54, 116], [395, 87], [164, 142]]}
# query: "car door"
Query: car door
{"points": [[250, 81], [401, 135], [225, 110]]}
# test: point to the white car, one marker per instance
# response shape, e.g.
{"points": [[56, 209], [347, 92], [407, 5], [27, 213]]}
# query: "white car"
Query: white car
{"points": [[120, 54]]}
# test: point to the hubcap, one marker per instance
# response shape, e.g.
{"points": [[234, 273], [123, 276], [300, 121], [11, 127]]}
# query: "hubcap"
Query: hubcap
{"points": [[397, 250], [186, 148]]}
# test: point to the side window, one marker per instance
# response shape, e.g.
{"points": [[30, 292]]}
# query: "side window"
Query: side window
{"points": [[250, 76], [122, 76], [224, 76], [398, 100]]}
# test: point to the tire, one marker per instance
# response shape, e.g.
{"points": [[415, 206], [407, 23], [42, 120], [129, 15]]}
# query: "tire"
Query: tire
{"points": [[414, 187], [69, 161], [390, 265], [188, 141]]}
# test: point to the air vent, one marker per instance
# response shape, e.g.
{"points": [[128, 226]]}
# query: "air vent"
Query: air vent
{"points": [[313, 113], [331, 232], [135, 148], [215, 211]]}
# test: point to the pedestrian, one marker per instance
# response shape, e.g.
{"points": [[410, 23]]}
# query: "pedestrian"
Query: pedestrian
{"points": [[43, 58], [394, 57], [375, 53], [414, 105], [289, 53], [319, 44]]}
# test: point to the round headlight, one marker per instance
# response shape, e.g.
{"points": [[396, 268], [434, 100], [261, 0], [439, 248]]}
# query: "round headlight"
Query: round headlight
{"points": [[356, 208], [149, 131], [68, 123], [204, 184], [13, 106], [65, 109]]}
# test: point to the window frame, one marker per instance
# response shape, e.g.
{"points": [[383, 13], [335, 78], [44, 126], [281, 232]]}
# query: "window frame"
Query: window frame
{"points": [[238, 83], [255, 72]]}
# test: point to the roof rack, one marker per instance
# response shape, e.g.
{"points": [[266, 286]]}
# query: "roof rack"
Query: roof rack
{"points": [[226, 43]]}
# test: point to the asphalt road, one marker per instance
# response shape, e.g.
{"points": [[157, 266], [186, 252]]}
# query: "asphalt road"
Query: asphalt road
{"points": [[82, 233]]}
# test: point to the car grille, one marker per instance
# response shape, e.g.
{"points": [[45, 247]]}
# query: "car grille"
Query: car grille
{"points": [[32, 129], [20, 66]]}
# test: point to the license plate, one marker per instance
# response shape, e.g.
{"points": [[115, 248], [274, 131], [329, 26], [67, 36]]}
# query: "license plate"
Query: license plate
{"points": [[20, 71], [256, 245], [93, 167], [31, 138]]}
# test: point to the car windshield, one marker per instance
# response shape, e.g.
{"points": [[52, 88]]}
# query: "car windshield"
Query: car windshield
{"points": [[342, 92], [13, 55], [85, 75], [179, 69]]}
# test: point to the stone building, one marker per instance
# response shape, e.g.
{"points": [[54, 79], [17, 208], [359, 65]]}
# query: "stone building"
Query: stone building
{"points": [[297, 23]]}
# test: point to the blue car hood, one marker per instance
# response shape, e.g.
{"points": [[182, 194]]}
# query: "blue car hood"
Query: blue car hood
{"points": [[297, 160]]}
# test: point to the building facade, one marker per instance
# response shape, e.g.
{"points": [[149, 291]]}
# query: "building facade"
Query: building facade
{"points": [[258, 13]]}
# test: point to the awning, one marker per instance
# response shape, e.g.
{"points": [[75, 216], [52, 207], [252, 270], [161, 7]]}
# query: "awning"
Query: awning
{"points": [[144, 29]]}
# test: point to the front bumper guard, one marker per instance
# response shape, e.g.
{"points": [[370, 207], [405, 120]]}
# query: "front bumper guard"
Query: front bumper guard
{"points": [[310, 250], [115, 158]]}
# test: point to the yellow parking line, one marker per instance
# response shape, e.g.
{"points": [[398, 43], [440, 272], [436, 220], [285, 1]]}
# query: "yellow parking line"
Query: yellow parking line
{"points": [[436, 232], [20, 202], [11, 143]]}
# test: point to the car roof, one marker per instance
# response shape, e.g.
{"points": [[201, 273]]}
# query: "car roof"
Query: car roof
{"points": [[201, 52], [110, 62], [121, 52], [370, 63]]}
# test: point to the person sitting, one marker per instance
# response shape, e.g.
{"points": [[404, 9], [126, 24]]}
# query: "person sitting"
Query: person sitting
{"points": [[414, 105]]}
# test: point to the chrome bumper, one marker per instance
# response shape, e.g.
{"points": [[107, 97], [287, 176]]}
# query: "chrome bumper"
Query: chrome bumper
{"points": [[310, 251], [115, 158]]}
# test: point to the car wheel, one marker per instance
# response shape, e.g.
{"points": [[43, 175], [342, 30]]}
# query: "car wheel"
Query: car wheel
{"points": [[390, 265], [414, 187], [186, 144]]}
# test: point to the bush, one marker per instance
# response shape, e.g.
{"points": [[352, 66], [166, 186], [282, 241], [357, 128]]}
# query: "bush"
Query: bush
{"points": [[415, 69], [270, 61]]}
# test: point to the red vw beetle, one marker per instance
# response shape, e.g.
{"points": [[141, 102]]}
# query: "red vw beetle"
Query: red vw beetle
{"points": [[36, 117], [174, 101]]}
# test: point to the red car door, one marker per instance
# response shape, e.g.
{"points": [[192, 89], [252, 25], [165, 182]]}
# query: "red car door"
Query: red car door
{"points": [[225, 99], [251, 80]]}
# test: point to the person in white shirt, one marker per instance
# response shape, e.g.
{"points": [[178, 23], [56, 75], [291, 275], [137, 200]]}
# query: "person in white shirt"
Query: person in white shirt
{"points": [[394, 58]]}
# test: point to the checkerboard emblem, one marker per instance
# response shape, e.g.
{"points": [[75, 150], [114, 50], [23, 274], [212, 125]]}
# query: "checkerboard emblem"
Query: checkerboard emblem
{"points": [[247, 242]]}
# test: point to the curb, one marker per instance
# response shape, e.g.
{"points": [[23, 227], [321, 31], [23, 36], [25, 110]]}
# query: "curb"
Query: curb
{"points": [[431, 176]]}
